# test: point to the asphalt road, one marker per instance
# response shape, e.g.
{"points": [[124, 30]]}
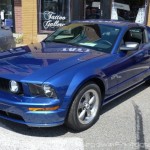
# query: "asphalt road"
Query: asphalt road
{"points": [[124, 125]]}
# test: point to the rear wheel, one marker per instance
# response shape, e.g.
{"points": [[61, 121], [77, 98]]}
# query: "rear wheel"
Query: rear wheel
{"points": [[84, 111]]}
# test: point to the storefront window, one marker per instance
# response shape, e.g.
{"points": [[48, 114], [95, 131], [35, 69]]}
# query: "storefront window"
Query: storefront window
{"points": [[6, 13], [52, 14], [131, 10]]}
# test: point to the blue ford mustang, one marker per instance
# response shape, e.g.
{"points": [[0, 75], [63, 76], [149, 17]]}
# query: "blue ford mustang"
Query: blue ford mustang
{"points": [[69, 76]]}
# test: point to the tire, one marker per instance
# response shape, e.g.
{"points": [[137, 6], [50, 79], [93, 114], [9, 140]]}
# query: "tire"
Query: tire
{"points": [[147, 82], [84, 111]]}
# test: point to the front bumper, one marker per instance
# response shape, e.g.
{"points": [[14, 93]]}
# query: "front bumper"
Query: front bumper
{"points": [[16, 109]]}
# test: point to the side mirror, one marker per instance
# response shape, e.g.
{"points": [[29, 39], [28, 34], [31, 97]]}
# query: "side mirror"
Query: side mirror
{"points": [[130, 46]]}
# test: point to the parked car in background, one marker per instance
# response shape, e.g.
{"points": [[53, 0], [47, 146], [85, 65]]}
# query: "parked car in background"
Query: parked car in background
{"points": [[69, 76], [6, 39]]}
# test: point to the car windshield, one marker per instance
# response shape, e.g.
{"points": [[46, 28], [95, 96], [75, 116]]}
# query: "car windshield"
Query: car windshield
{"points": [[96, 36]]}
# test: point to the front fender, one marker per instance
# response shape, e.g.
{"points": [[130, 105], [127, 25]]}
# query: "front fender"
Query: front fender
{"points": [[82, 78], [68, 82]]}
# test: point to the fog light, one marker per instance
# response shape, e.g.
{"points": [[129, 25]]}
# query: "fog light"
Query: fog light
{"points": [[14, 86], [44, 109]]}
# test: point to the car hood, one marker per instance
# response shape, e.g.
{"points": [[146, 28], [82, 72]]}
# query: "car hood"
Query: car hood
{"points": [[38, 62]]}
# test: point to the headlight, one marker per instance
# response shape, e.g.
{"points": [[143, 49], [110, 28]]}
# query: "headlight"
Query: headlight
{"points": [[42, 90], [49, 92], [14, 86]]}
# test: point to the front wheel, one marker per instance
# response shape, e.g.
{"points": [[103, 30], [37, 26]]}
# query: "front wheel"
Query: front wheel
{"points": [[147, 82], [84, 111]]}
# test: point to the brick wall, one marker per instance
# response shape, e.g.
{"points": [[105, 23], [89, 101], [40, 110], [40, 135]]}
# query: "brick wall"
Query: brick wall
{"points": [[18, 16], [29, 22]]}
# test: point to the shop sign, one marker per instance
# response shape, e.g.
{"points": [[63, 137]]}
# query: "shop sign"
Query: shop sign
{"points": [[52, 20]]}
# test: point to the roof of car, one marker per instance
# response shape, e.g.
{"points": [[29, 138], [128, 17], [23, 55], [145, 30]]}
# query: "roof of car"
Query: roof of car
{"points": [[111, 22]]}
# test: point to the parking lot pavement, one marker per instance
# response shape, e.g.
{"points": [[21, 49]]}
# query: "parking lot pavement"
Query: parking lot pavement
{"points": [[124, 124]]}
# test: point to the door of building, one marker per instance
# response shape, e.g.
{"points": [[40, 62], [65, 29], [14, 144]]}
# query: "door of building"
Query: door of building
{"points": [[96, 9], [92, 9]]}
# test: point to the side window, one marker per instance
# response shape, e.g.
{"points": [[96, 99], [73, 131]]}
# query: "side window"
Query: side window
{"points": [[135, 35]]}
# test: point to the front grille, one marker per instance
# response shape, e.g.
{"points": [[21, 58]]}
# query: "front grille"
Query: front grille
{"points": [[4, 86], [11, 115]]}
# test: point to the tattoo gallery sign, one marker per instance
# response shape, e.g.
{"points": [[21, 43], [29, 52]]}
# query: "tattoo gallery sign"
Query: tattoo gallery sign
{"points": [[52, 20]]}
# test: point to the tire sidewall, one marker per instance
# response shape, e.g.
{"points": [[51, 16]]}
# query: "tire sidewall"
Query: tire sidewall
{"points": [[78, 96]]}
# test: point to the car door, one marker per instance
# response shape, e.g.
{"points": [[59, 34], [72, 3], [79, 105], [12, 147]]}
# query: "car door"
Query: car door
{"points": [[133, 66]]}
